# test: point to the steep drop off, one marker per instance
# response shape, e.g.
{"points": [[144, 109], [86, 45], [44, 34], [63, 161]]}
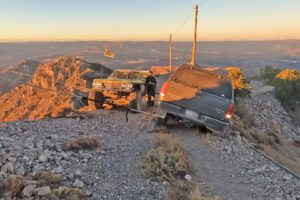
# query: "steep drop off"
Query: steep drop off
{"points": [[52, 90]]}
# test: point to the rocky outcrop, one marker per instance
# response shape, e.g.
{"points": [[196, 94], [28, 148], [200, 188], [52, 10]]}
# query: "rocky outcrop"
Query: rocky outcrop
{"points": [[267, 112], [110, 171], [56, 89]]}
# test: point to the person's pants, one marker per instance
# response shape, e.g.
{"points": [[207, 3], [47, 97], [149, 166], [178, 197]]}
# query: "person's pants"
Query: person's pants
{"points": [[150, 102]]}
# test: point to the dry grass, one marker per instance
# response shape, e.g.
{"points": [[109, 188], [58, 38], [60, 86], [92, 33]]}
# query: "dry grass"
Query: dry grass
{"points": [[48, 178], [271, 142], [243, 123], [84, 142], [66, 193], [15, 185], [183, 190], [288, 159], [166, 159], [244, 114]]}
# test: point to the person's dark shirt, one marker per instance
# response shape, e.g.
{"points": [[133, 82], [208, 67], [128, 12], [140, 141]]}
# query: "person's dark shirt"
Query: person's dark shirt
{"points": [[150, 84]]}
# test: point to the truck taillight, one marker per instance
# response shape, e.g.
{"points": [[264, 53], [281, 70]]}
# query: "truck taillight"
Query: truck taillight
{"points": [[163, 90], [230, 111]]}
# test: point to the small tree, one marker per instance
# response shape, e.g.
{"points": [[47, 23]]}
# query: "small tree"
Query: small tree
{"points": [[288, 74], [286, 83], [237, 77], [269, 73]]}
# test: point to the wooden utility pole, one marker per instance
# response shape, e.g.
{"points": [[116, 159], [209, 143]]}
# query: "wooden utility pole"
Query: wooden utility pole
{"points": [[170, 53], [193, 61]]}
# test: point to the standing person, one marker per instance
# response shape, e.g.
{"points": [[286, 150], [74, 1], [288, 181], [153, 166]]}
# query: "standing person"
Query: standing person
{"points": [[150, 87]]}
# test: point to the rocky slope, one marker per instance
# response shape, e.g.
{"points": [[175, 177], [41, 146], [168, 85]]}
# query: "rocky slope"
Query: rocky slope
{"points": [[53, 90], [108, 172], [9, 80], [267, 112], [226, 167]]}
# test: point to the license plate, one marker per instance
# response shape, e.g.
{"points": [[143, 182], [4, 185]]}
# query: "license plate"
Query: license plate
{"points": [[191, 114]]}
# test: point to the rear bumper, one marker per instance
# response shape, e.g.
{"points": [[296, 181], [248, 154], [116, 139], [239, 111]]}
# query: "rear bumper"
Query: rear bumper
{"points": [[208, 122]]}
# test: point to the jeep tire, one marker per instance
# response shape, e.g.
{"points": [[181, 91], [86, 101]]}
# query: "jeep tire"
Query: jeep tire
{"points": [[96, 99]]}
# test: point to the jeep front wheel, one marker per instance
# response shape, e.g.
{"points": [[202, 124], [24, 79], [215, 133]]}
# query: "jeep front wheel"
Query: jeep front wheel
{"points": [[96, 99]]}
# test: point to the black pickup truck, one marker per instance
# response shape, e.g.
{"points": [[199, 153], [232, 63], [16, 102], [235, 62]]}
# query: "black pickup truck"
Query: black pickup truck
{"points": [[197, 96]]}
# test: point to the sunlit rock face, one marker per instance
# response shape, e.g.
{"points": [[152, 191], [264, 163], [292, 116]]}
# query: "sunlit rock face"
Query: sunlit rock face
{"points": [[51, 91]]}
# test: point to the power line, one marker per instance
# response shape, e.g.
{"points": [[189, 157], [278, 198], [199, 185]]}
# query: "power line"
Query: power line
{"points": [[187, 18], [182, 25]]}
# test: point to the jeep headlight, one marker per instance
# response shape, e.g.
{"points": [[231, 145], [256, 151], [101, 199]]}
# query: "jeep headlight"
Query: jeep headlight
{"points": [[126, 86], [101, 85]]}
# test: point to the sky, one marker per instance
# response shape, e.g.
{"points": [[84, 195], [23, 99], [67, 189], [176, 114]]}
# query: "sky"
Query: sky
{"points": [[148, 20]]}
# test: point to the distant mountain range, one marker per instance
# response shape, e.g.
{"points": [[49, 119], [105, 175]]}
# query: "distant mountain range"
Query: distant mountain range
{"points": [[250, 55]]}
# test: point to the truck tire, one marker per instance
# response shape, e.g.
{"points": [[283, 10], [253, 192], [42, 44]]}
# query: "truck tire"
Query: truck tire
{"points": [[135, 100], [96, 99], [161, 121]]}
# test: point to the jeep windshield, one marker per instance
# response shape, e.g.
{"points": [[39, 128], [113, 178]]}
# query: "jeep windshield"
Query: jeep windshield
{"points": [[126, 75]]}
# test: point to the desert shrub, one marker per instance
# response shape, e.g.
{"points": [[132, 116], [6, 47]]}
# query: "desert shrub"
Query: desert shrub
{"points": [[66, 193], [286, 83], [242, 111], [84, 142], [276, 133], [283, 157], [183, 190], [288, 74], [48, 177], [197, 194], [263, 138], [269, 73], [165, 159], [247, 134], [237, 76], [15, 185], [271, 138]]}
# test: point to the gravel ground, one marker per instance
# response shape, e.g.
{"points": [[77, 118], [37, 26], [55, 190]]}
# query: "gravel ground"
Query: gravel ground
{"points": [[231, 170], [226, 167], [110, 172]]}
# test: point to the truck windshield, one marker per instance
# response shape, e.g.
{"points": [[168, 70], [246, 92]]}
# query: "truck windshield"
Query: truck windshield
{"points": [[126, 75]]}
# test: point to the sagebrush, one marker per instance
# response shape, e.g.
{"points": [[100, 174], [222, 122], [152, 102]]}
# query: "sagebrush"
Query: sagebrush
{"points": [[84, 142], [166, 159]]}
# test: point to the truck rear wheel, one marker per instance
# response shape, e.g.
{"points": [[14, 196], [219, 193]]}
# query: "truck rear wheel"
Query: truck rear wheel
{"points": [[135, 100], [96, 99]]}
